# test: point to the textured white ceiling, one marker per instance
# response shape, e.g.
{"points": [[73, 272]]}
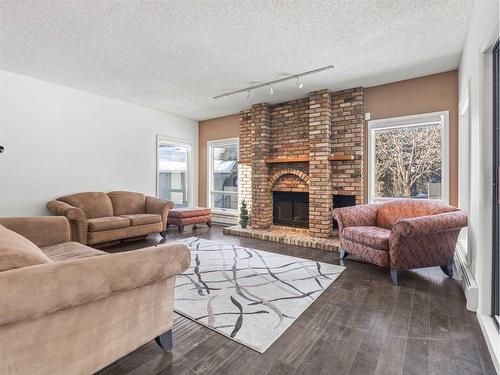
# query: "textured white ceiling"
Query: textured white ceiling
{"points": [[176, 55]]}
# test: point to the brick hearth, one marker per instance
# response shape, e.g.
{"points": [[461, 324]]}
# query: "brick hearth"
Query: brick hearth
{"points": [[286, 236], [313, 144]]}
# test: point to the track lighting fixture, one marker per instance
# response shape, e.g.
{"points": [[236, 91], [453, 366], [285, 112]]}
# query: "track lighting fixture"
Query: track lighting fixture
{"points": [[270, 84]]}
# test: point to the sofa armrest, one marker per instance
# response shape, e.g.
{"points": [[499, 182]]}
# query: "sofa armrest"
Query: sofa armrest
{"points": [[362, 215], [77, 218], [447, 221], [35, 291], [425, 241], [159, 207], [41, 230]]}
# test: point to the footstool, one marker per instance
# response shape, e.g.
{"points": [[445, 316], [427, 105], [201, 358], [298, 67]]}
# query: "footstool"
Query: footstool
{"points": [[189, 215]]}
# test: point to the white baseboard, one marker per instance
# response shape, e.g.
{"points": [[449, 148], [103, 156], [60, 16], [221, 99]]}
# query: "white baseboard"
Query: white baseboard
{"points": [[492, 337], [466, 278]]}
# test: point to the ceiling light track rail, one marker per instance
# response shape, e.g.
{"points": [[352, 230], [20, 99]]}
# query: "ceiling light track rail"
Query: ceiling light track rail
{"points": [[271, 83]]}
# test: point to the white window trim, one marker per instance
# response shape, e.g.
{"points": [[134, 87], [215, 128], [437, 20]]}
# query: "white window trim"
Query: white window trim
{"points": [[210, 145], [464, 169], [160, 139], [408, 121]]}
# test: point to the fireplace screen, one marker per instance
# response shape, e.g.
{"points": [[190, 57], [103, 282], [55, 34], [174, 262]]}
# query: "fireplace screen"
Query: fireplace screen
{"points": [[291, 209]]}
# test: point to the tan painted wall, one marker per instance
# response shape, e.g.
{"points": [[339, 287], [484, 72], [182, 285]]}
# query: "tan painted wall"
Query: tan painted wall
{"points": [[211, 130], [437, 92]]}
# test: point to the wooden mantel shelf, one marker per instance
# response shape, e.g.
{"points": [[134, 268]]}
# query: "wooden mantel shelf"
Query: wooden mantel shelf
{"points": [[305, 159], [290, 159]]}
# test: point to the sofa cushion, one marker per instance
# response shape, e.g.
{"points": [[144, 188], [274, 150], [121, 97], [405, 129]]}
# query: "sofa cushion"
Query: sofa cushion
{"points": [[143, 219], [375, 237], [94, 204], [17, 251], [390, 212], [106, 223], [127, 203], [70, 250]]}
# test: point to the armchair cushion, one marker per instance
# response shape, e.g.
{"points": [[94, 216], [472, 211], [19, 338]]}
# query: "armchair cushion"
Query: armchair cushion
{"points": [[391, 212], [93, 204], [17, 251], [377, 238], [106, 223], [368, 253], [142, 219], [127, 203]]}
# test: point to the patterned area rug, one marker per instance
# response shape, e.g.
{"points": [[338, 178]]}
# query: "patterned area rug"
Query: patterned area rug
{"points": [[249, 295]]}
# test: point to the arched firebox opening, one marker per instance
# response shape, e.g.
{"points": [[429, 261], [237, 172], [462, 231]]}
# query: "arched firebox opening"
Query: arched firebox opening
{"points": [[290, 189]]}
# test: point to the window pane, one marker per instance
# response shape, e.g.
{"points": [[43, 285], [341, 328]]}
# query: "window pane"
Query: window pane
{"points": [[408, 162], [225, 201], [224, 178], [225, 168], [173, 170]]}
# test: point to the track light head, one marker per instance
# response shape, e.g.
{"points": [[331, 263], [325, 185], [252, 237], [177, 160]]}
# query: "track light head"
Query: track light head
{"points": [[249, 94], [270, 90], [298, 83]]}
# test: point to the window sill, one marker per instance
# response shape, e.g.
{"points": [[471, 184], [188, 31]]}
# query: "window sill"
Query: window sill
{"points": [[220, 212]]}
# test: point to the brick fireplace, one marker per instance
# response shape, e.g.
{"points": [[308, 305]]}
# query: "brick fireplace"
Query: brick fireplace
{"points": [[312, 146]]}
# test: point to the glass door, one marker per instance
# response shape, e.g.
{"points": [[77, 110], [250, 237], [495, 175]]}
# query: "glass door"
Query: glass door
{"points": [[496, 186], [223, 176]]}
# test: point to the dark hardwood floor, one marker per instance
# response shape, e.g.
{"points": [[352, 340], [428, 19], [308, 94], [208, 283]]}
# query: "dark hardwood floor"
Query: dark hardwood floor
{"points": [[361, 324]]}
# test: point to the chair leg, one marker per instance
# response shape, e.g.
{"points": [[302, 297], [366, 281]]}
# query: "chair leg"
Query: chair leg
{"points": [[343, 254], [181, 228], [164, 234], [448, 269], [165, 340], [394, 276]]}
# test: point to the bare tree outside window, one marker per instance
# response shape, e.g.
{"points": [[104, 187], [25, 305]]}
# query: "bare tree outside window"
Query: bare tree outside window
{"points": [[408, 162]]}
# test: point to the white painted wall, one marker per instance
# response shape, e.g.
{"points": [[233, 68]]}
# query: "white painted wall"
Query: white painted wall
{"points": [[475, 66], [60, 141]]}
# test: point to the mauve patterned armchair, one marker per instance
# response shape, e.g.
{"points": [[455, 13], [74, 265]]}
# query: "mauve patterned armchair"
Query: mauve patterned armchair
{"points": [[401, 234]]}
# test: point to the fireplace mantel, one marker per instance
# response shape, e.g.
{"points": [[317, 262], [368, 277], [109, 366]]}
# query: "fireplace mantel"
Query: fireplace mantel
{"points": [[305, 159]]}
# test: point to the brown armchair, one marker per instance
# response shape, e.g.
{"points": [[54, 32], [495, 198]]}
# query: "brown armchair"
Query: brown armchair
{"points": [[401, 234], [97, 217]]}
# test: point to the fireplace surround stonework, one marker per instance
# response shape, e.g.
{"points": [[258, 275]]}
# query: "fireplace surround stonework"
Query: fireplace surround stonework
{"points": [[300, 146]]}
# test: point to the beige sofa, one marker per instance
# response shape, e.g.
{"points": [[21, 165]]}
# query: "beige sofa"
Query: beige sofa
{"points": [[70, 309], [104, 217]]}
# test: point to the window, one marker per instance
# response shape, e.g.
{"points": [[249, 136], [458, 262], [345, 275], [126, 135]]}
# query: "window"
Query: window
{"points": [[174, 169], [223, 175], [408, 157]]}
